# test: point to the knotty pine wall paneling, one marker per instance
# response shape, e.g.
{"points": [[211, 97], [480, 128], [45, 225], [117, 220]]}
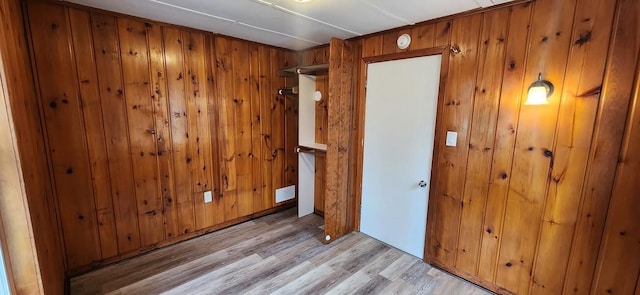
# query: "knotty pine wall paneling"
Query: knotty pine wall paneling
{"points": [[491, 56], [573, 134], [142, 118], [176, 92], [242, 109], [520, 205], [36, 258], [291, 126], [256, 133], [263, 116], [214, 211], [247, 95], [199, 155], [512, 72], [108, 67], [457, 114], [605, 146], [140, 122], [162, 117], [339, 206], [94, 125], [68, 152], [277, 136], [619, 256], [277, 123], [228, 123], [533, 154], [353, 213]]}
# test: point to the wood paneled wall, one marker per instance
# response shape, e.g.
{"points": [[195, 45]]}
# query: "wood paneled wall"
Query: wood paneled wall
{"points": [[620, 250], [614, 152], [339, 205], [142, 118], [33, 251], [520, 204]]}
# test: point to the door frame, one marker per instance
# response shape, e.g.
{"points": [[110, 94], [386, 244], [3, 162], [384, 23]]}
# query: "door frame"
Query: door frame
{"points": [[359, 120]]}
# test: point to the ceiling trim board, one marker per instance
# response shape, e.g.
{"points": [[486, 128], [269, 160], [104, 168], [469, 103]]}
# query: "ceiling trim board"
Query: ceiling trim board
{"points": [[277, 33], [234, 21], [284, 9], [406, 21], [193, 11], [316, 20]]}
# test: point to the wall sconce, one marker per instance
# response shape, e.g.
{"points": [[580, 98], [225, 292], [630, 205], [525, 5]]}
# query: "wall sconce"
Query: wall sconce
{"points": [[539, 91]]}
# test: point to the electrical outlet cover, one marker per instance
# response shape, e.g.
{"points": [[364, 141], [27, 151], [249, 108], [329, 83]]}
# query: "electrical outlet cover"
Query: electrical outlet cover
{"points": [[208, 198], [452, 138]]}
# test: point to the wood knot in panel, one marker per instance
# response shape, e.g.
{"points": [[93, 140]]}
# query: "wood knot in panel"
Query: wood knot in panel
{"points": [[583, 39]]}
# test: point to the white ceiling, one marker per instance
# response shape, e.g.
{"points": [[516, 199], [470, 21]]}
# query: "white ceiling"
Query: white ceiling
{"points": [[288, 23]]}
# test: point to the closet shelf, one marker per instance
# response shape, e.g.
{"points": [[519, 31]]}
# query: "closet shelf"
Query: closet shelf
{"points": [[314, 70]]}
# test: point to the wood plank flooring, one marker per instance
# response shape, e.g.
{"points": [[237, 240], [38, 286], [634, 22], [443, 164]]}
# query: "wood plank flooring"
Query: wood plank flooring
{"points": [[275, 254]]}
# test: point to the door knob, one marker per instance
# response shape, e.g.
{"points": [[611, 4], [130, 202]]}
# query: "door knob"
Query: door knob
{"points": [[422, 183]]}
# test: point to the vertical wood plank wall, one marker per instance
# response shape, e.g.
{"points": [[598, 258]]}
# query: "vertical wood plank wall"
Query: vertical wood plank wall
{"points": [[142, 118], [606, 144], [620, 252], [520, 204], [619, 256], [27, 206], [339, 206]]}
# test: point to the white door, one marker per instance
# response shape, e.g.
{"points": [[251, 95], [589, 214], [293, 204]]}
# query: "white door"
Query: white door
{"points": [[400, 120]]}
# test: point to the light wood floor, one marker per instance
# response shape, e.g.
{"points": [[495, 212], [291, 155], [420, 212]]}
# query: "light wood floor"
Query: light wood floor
{"points": [[275, 254]]}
